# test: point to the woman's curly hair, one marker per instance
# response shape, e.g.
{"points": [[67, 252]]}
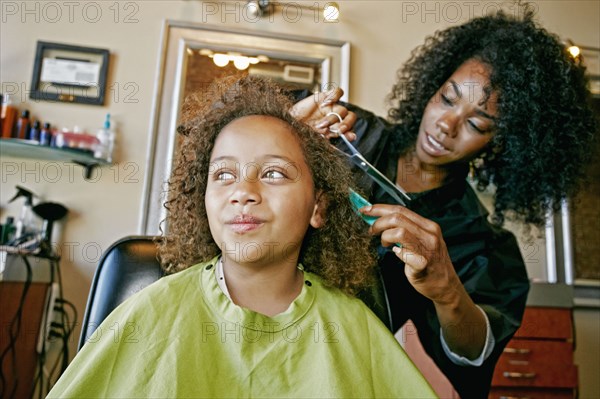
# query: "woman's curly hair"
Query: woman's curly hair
{"points": [[545, 125], [339, 251]]}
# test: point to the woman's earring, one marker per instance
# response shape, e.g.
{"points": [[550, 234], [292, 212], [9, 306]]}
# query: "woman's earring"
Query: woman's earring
{"points": [[474, 165]]}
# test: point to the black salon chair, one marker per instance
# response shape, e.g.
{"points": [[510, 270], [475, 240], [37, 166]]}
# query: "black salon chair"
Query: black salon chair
{"points": [[129, 265]]}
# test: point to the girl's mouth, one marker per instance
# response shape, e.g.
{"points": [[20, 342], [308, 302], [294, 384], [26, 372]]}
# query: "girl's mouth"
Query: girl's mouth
{"points": [[244, 223]]}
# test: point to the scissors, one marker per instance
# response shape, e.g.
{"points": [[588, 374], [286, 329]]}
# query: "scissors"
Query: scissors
{"points": [[359, 160]]}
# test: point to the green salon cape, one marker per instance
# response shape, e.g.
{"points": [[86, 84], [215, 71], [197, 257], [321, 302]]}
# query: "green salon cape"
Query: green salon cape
{"points": [[182, 337]]}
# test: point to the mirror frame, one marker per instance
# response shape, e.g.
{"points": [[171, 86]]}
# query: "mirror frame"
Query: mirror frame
{"points": [[177, 37]]}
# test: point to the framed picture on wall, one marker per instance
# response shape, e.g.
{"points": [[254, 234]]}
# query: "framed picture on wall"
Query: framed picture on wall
{"points": [[591, 60], [69, 73]]}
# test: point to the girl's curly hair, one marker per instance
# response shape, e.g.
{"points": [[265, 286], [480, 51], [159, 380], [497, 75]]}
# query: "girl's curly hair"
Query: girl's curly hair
{"points": [[339, 251], [545, 125]]}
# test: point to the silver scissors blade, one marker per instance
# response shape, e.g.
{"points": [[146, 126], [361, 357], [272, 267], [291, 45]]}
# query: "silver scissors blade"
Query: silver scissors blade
{"points": [[386, 184]]}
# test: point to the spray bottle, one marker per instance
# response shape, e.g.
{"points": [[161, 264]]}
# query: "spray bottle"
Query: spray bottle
{"points": [[106, 141], [24, 225]]}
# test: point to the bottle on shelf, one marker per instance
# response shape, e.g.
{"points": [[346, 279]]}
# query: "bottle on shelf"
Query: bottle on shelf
{"points": [[45, 134], [22, 127], [34, 132], [9, 117], [106, 141]]}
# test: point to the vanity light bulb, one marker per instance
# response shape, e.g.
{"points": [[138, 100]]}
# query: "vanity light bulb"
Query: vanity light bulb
{"points": [[241, 63], [220, 60], [331, 12]]}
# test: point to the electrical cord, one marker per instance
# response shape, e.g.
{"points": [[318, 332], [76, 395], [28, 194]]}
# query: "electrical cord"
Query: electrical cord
{"points": [[62, 330]]}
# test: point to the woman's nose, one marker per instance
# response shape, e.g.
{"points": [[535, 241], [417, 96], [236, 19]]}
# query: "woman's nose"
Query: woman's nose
{"points": [[447, 124]]}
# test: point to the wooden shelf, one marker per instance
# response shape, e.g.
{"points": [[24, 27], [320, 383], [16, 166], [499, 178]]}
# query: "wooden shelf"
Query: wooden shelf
{"points": [[32, 150]]}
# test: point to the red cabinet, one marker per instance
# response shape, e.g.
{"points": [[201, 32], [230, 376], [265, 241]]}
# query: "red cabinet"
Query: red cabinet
{"points": [[538, 361]]}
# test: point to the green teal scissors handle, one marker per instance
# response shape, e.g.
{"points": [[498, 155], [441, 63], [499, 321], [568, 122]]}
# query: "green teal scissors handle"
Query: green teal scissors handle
{"points": [[359, 202]]}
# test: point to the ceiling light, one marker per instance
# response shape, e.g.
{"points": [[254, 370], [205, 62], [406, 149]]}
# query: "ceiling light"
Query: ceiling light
{"points": [[257, 8], [331, 12], [574, 51], [253, 9]]}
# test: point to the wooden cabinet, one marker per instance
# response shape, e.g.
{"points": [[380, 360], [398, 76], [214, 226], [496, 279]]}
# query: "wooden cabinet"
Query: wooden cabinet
{"points": [[20, 319], [538, 361]]}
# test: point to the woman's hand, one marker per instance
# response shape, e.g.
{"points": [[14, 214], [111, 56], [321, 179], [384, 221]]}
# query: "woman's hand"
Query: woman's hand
{"points": [[429, 270], [313, 111], [423, 250]]}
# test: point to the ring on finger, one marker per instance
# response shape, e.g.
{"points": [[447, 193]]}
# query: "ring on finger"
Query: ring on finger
{"points": [[337, 131]]}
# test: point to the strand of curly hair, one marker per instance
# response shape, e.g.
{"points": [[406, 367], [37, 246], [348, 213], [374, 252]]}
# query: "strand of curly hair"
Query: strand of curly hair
{"points": [[339, 252], [545, 127]]}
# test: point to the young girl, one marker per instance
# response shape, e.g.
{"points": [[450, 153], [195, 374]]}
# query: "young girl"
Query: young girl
{"points": [[259, 204]]}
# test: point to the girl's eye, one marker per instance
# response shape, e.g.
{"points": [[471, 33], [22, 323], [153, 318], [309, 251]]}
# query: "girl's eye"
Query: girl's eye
{"points": [[273, 175], [224, 177]]}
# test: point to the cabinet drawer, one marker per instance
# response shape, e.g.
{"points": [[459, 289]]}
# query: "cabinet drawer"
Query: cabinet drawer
{"points": [[523, 393], [550, 323], [535, 363]]}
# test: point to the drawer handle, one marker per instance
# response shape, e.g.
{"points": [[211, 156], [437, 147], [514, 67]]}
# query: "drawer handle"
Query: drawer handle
{"points": [[514, 397], [518, 362], [511, 374], [520, 351]]}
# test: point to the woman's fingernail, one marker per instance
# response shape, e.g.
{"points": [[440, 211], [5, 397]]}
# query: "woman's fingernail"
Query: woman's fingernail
{"points": [[366, 209], [322, 124], [396, 249]]}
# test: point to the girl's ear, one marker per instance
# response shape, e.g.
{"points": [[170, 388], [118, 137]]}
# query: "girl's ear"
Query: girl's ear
{"points": [[317, 220]]}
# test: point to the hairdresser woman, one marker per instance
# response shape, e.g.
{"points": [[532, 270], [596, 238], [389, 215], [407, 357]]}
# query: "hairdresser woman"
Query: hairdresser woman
{"points": [[497, 100]]}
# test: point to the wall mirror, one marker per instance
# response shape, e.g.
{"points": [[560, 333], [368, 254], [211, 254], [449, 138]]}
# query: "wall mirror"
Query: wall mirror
{"points": [[193, 55]]}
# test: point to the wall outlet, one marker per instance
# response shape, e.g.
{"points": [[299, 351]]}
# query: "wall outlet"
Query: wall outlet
{"points": [[49, 316]]}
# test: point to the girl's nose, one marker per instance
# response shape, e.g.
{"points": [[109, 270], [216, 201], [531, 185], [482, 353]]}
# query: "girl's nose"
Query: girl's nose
{"points": [[246, 191]]}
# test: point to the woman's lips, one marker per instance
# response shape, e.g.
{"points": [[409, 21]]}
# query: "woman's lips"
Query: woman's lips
{"points": [[244, 223], [434, 147]]}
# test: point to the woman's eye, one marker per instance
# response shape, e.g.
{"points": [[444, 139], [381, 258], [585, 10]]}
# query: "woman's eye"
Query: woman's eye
{"points": [[445, 99], [481, 130], [273, 175], [476, 128]]}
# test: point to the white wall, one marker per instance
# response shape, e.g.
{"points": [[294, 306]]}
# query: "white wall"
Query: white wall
{"points": [[382, 33]]}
